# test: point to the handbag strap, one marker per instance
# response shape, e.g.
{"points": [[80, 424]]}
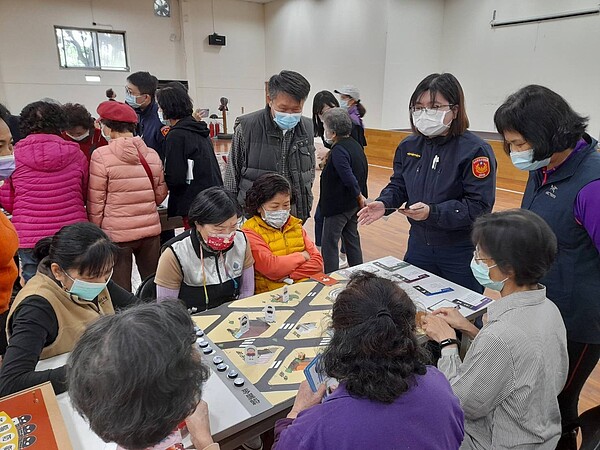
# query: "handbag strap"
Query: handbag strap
{"points": [[146, 168]]}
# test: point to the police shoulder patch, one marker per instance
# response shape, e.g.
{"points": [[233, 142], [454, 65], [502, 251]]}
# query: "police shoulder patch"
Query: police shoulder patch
{"points": [[481, 167]]}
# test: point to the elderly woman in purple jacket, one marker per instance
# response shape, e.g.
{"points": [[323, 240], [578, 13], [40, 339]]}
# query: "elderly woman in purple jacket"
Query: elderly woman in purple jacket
{"points": [[387, 397]]}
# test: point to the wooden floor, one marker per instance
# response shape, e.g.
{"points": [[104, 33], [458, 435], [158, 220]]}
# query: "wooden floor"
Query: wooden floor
{"points": [[389, 237]]}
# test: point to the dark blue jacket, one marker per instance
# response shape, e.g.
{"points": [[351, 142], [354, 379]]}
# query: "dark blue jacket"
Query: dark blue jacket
{"points": [[460, 187], [340, 188], [149, 129], [573, 282]]}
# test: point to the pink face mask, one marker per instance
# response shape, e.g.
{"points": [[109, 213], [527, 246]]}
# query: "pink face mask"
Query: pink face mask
{"points": [[220, 242]]}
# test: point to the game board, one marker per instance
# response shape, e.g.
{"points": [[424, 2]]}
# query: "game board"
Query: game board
{"points": [[301, 329], [30, 419]]}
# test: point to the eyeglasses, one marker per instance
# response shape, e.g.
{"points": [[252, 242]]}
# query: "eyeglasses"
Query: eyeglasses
{"points": [[430, 111], [479, 258]]}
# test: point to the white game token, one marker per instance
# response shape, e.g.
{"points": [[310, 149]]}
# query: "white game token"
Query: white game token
{"points": [[269, 311], [244, 324], [286, 295], [250, 354]]}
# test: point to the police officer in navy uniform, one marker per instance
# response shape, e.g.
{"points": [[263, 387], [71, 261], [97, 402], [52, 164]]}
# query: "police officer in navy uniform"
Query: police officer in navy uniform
{"points": [[444, 178]]}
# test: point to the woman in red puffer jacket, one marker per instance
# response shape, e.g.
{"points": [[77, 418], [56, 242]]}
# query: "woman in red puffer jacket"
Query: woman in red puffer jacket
{"points": [[48, 187]]}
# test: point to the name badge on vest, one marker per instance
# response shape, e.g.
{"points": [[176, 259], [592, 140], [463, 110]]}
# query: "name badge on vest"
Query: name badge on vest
{"points": [[552, 191]]}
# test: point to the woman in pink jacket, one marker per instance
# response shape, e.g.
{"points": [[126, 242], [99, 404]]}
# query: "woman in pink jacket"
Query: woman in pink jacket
{"points": [[48, 187], [126, 186]]}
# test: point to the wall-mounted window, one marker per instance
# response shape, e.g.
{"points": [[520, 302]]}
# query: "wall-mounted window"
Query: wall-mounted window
{"points": [[80, 48]]}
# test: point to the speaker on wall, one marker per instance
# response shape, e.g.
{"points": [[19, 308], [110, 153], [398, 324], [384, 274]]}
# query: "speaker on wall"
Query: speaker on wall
{"points": [[216, 39]]}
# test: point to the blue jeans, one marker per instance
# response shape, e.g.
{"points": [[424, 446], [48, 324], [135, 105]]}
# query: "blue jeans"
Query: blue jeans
{"points": [[452, 262], [28, 263]]}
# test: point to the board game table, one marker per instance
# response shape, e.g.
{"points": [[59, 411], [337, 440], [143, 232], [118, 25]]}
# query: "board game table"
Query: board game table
{"points": [[246, 399]]}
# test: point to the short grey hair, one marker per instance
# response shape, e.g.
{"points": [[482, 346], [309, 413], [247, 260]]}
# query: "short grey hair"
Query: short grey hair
{"points": [[136, 375], [338, 121]]}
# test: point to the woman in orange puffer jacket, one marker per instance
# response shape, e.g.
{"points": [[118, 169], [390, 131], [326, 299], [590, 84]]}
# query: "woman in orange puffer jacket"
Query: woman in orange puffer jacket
{"points": [[126, 186]]}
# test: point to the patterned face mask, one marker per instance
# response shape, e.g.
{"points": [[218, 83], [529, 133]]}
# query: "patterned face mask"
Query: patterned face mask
{"points": [[220, 242]]}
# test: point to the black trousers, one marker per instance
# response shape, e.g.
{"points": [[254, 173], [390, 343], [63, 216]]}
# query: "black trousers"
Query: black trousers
{"points": [[344, 226], [582, 361]]}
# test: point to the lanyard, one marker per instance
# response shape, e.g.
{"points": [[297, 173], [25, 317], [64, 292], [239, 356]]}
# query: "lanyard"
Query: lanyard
{"points": [[235, 283], [203, 276]]}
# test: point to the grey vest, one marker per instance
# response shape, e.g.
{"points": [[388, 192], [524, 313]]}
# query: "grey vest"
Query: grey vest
{"points": [[263, 140]]}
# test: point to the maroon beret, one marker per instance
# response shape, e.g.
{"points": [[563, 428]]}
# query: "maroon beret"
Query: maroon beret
{"points": [[117, 111]]}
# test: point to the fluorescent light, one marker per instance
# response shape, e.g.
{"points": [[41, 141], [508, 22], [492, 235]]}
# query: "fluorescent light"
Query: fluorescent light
{"points": [[92, 78]]}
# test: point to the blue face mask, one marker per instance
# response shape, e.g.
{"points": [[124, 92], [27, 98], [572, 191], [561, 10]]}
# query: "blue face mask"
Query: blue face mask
{"points": [[343, 103], [481, 272], [524, 160], [287, 121], [7, 166], [87, 290], [130, 99]]}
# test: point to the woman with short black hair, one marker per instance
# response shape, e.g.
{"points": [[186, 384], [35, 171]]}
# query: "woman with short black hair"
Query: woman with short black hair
{"points": [[387, 396], [150, 351], [190, 162], [546, 137], [211, 263], [444, 178], [517, 364], [281, 248], [71, 289]]}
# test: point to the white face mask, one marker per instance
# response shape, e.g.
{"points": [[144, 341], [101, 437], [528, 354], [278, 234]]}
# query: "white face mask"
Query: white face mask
{"points": [[161, 117], [431, 125], [328, 140], [79, 138], [277, 218], [107, 137]]}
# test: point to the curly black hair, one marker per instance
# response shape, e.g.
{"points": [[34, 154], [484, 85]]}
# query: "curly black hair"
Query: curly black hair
{"points": [[77, 115], [136, 375], [42, 117], [374, 349], [265, 188], [4, 113]]}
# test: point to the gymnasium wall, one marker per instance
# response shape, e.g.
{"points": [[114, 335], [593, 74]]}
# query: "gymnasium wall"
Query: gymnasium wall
{"points": [[563, 55], [386, 47], [170, 48], [383, 47]]}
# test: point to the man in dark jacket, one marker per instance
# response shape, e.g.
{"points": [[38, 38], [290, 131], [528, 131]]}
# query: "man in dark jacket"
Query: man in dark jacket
{"points": [[276, 139], [190, 162], [139, 94]]}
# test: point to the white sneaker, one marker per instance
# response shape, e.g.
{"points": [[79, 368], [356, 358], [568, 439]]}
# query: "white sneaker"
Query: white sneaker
{"points": [[343, 261]]}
